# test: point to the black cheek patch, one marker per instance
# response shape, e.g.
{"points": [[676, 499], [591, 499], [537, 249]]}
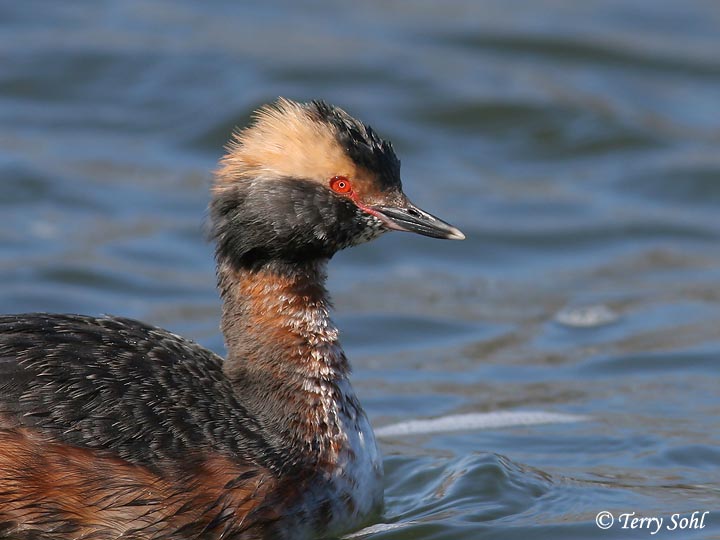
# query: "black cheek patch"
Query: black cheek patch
{"points": [[286, 220]]}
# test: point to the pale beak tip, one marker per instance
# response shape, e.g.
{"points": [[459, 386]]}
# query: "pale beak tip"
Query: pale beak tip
{"points": [[455, 234]]}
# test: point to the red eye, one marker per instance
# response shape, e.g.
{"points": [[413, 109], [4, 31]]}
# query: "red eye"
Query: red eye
{"points": [[340, 184]]}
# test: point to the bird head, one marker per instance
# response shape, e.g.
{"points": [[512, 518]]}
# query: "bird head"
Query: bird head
{"points": [[305, 180]]}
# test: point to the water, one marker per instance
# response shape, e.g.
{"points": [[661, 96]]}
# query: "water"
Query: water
{"points": [[576, 145]]}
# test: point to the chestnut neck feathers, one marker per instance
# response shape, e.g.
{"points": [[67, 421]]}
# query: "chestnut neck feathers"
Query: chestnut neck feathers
{"points": [[284, 356]]}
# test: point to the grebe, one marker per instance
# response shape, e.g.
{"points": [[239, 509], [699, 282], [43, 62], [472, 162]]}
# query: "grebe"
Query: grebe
{"points": [[110, 428]]}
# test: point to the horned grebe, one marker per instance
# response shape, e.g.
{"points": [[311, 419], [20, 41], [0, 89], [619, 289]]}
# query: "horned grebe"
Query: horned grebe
{"points": [[110, 428]]}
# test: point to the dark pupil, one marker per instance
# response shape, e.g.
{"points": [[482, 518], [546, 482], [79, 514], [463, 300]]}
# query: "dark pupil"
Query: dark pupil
{"points": [[341, 185]]}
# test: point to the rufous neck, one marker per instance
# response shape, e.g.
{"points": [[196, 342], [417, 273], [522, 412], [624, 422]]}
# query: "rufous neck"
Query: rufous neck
{"points": [[276, 319], [284, 358]]}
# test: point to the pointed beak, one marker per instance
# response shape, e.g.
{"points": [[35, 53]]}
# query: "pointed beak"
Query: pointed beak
{"points": [[408, 217]]}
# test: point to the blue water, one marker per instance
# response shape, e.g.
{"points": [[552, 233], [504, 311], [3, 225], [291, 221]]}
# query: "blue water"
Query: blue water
{"points": [[575, 144]]}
